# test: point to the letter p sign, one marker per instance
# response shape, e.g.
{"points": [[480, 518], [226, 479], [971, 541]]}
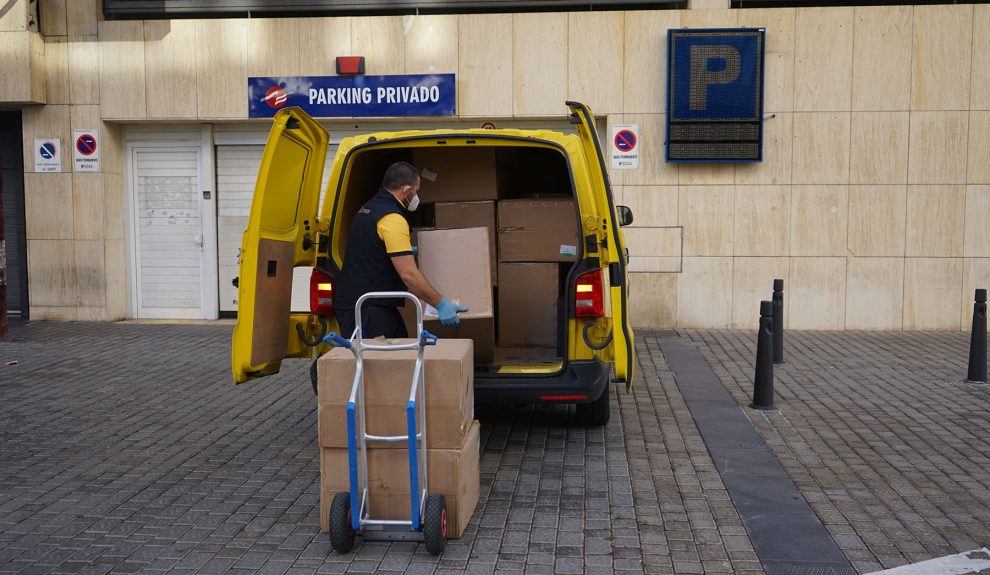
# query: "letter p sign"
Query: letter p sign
{"points": [[710, 65]]}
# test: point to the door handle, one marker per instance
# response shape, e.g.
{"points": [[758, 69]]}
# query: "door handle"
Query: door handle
{"points": [[199, 240]]}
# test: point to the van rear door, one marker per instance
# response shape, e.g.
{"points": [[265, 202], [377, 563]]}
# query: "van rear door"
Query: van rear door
{"points": [[281, 235], [612, 253]]}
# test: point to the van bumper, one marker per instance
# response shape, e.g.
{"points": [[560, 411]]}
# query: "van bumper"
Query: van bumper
{"points": [[586, 378]]}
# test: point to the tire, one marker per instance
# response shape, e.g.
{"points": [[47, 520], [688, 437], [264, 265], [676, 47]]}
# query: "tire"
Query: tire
{"points": [[595, 413], [341, 531], [435, 523], [314, 377]]}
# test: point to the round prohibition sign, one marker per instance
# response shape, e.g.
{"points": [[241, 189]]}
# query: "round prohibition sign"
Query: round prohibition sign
{"points": [[625, 141], [47, 150], [86, 144]]}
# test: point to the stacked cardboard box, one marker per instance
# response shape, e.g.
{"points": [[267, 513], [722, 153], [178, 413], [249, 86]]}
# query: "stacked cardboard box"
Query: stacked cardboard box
{"points": [[452, 435], [456, 174], [455, 215], [527, 304], [537, 230]]}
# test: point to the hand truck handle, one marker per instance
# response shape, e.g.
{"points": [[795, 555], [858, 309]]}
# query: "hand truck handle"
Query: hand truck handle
{"points": [[336, 341], [427, 338]]}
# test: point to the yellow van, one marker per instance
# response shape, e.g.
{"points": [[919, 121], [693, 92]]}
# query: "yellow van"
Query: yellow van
{"points": [[287, 228]]}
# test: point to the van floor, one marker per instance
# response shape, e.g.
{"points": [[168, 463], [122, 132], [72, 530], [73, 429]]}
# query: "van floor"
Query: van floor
{"points": [[529, 356]]}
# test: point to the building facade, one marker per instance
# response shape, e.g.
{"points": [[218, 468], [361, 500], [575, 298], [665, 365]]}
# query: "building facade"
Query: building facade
{"points": [[872, 202]]}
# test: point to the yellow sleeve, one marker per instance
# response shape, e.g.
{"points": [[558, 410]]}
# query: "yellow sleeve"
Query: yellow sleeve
{"points": [[394, 231]]}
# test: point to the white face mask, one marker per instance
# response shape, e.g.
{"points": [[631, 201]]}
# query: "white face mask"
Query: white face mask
{"points": [[413, 203]]}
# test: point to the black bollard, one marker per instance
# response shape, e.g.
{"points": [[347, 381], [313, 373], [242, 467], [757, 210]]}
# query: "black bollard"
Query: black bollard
{"points": [[778, 321], [763, 384], [978, 340]]}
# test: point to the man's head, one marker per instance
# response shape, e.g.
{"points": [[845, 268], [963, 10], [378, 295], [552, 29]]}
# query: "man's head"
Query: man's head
{"points": [[402, 180]]}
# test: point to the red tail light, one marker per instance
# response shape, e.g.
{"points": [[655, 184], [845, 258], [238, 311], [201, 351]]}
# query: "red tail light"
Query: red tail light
{"points": [[320, 294], [589, 298]]}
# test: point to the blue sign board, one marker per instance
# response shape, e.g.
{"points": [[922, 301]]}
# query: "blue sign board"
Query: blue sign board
{"points": [[354, 96], [715, 94]]}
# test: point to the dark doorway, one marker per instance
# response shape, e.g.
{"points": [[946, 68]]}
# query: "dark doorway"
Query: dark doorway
{"points": [[12, 174]]}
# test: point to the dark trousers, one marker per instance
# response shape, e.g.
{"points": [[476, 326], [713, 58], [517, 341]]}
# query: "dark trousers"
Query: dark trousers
{"points": [[375, 321]]}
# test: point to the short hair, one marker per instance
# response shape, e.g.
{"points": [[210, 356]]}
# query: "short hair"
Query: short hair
{"points": [[400, 174]]}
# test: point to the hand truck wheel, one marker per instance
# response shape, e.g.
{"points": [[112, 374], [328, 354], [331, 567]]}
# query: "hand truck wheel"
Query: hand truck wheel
{"points": [[341, 530], [435, 523]]}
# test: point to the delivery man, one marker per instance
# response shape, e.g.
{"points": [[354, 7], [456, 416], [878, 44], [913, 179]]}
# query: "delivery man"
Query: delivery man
{"points": [[379, 257]]}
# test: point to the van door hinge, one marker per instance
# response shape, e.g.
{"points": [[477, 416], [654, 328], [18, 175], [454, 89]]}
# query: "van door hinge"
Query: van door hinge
{"points": [[615, 275]]}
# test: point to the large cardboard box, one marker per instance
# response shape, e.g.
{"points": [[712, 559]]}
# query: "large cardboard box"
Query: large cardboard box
{"points": [[527, 304], [453, 472], [471, 215], [537, 230], [449, 375], [456, 174], [457, 264]]}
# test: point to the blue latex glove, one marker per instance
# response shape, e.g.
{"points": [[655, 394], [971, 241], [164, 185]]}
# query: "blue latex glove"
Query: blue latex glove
{"points": [[448, 312]]}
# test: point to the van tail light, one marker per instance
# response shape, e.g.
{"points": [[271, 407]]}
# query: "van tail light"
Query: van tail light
{"points": [[320, 294], [589, 296]]}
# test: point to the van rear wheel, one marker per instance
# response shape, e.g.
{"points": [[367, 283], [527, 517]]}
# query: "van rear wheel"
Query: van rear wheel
{"points": [[596, 412]]}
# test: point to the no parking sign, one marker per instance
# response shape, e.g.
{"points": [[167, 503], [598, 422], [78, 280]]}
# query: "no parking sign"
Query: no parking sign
{"points": [[625, 146], [86, 151], [47, 155]]}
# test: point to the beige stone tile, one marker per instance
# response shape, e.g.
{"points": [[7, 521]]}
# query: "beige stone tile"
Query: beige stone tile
{"points": [[23, 62], [122, 81], [46, 122], [978, 166], [708, 4], [273, 48], [84, 77], [322, 40], [48, 206], [380, 40], [39, 313], [980, 88], [778, 81], [821, 148], [170, 68], [935, 218], [116, 279], [594, 75], [645, 59], [87, 206], [881, 64], [762, 216], [57, 70], [822, 59], [938, 148], [539, 63], [91, 290], [878, 147], [111, 160], [113, 206], [431, 44], [726, 18], [942, 56], [976, 275], [51, 16], [652, 205], [932, 292], [819, 220], [874, 293], [51, 267], [704, 293], [223, 67], [654, 249], [977, 231], [653, 170], [706, 213], [752, 282], [16, 17], [84, 118], [704, 174], [653, 300], [484, 65], [815, 294], [775, 169], [877, 220], [83, 16]]}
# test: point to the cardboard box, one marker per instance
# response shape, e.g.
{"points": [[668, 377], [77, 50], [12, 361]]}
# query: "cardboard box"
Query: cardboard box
{"points": [[456, 174], [479, 330], [527, 304], [456, 263], [454, 215], [449, 375], [537, 230], [453, 472]]}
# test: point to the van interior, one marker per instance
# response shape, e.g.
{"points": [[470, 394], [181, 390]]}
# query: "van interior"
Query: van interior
{"points": [[499, 184]]}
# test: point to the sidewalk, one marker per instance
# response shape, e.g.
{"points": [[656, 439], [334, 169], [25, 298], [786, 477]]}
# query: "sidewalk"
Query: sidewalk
{"points": [[125, 447]]}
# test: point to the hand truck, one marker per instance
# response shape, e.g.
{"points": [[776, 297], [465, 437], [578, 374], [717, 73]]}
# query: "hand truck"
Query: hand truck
{"points": [[429, 510]]}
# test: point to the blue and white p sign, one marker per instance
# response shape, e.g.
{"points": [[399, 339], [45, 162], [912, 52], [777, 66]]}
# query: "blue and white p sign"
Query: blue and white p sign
{"points": [[715, 95]]}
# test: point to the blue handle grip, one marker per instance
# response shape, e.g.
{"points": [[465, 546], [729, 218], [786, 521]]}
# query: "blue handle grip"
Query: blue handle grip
{"points": [[427, 338], [336, 341]]}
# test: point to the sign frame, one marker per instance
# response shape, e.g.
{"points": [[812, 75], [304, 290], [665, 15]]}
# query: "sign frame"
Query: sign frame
{"points": [[48, 165], [83, 162]]}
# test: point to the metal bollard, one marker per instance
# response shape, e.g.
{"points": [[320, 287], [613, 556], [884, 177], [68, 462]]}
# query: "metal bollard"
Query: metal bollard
{"points": [[978, 340], [763, 384], [778, 321]]}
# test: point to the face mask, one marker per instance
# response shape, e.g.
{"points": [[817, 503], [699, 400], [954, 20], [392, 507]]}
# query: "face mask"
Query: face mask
{"points": [[413, 203]]}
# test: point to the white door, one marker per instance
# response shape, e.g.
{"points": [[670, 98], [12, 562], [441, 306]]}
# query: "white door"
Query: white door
{"points": [[171, 234]]}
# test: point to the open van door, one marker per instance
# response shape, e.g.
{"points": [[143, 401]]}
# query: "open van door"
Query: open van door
{"points": [[281, 234], [613, 252]]}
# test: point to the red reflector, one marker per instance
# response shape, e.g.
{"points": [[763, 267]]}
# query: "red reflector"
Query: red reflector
{"points": [[563, 397], [320, 294]]}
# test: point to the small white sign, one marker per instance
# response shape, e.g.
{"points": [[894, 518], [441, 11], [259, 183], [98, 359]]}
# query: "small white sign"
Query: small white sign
{"points": [[47, 155], [86, 151], [625, 146]]}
